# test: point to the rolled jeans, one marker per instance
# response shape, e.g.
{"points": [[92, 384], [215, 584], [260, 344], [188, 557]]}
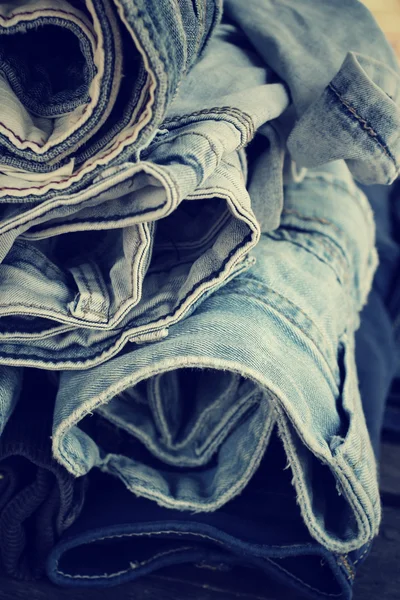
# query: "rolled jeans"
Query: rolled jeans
{"points": [[274, 346]]}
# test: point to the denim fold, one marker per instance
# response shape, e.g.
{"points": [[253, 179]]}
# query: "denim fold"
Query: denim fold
{"points": [[273, 347]]}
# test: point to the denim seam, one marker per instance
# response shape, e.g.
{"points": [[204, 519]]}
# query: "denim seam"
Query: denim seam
{"points": [[97, 275], [344, 563], [121, 341], [357, 503], [237, 114], [130, 298], [77, 415], [199, 284], [208, 140], [86, 302], [186, 503], [265, 303], [365, 125], [361, 557], [196, 246], [178, 533], [86, 169], [203, 451], [105, 190], [342, 278], [245, 132], [99, 219], [131, 568], [43, 259], [362, 521], [72, 25], [101, 102], [313, 219], [360, 206]]}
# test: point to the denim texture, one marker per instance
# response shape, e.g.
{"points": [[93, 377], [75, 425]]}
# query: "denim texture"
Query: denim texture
{"points": [[376, 355], [176, 251], [131, 68], [118, 258], [392, 414], [10, 389], [120, 537], [39, 499], [343, 81], [288, 360], [151, 240]]}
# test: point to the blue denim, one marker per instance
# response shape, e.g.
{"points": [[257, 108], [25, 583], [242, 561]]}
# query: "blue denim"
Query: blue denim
{"points": [[65, 138], [392, 413], [120, 537], [283, 335], [343, 80], [10, 389], [375, 340], [148, 241]]}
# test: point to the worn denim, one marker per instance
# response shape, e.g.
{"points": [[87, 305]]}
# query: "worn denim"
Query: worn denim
{"points": [[120, 537], [343, 79], [10, 389], [112, 288], [122, 64], [39, 499], [283, 335], [163, 233]]}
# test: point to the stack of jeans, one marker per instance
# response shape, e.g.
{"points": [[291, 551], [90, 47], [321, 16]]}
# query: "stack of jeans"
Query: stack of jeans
{"points": [[185, 255]]}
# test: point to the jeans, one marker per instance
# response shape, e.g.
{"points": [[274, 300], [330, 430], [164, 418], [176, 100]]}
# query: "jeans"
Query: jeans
{"points": [[122, 69], [120, 537], [126, 268], [149, 241], [392, 414], [273, 347], [343, 81], [39, 499], [376, 358]]}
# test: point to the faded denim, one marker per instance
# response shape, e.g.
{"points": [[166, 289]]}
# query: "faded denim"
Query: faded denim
{"points": [[121, 537], [283, 333], [376, 358], [343, 80], [10, 389], [132, 57], [135, 253]]}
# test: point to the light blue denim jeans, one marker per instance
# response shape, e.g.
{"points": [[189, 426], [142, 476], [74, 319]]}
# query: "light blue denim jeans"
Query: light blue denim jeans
{"points": [[274, 346], [123, 62], [135, 252], [343, 78]]}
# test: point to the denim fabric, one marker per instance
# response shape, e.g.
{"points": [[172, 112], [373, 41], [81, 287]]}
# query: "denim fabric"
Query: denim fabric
{"points": [[392, 414], [39, 499], [149, 241], [343, 80], [120, 537], [10, 389], [375, 342], [283, 336], [130, 69]]}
